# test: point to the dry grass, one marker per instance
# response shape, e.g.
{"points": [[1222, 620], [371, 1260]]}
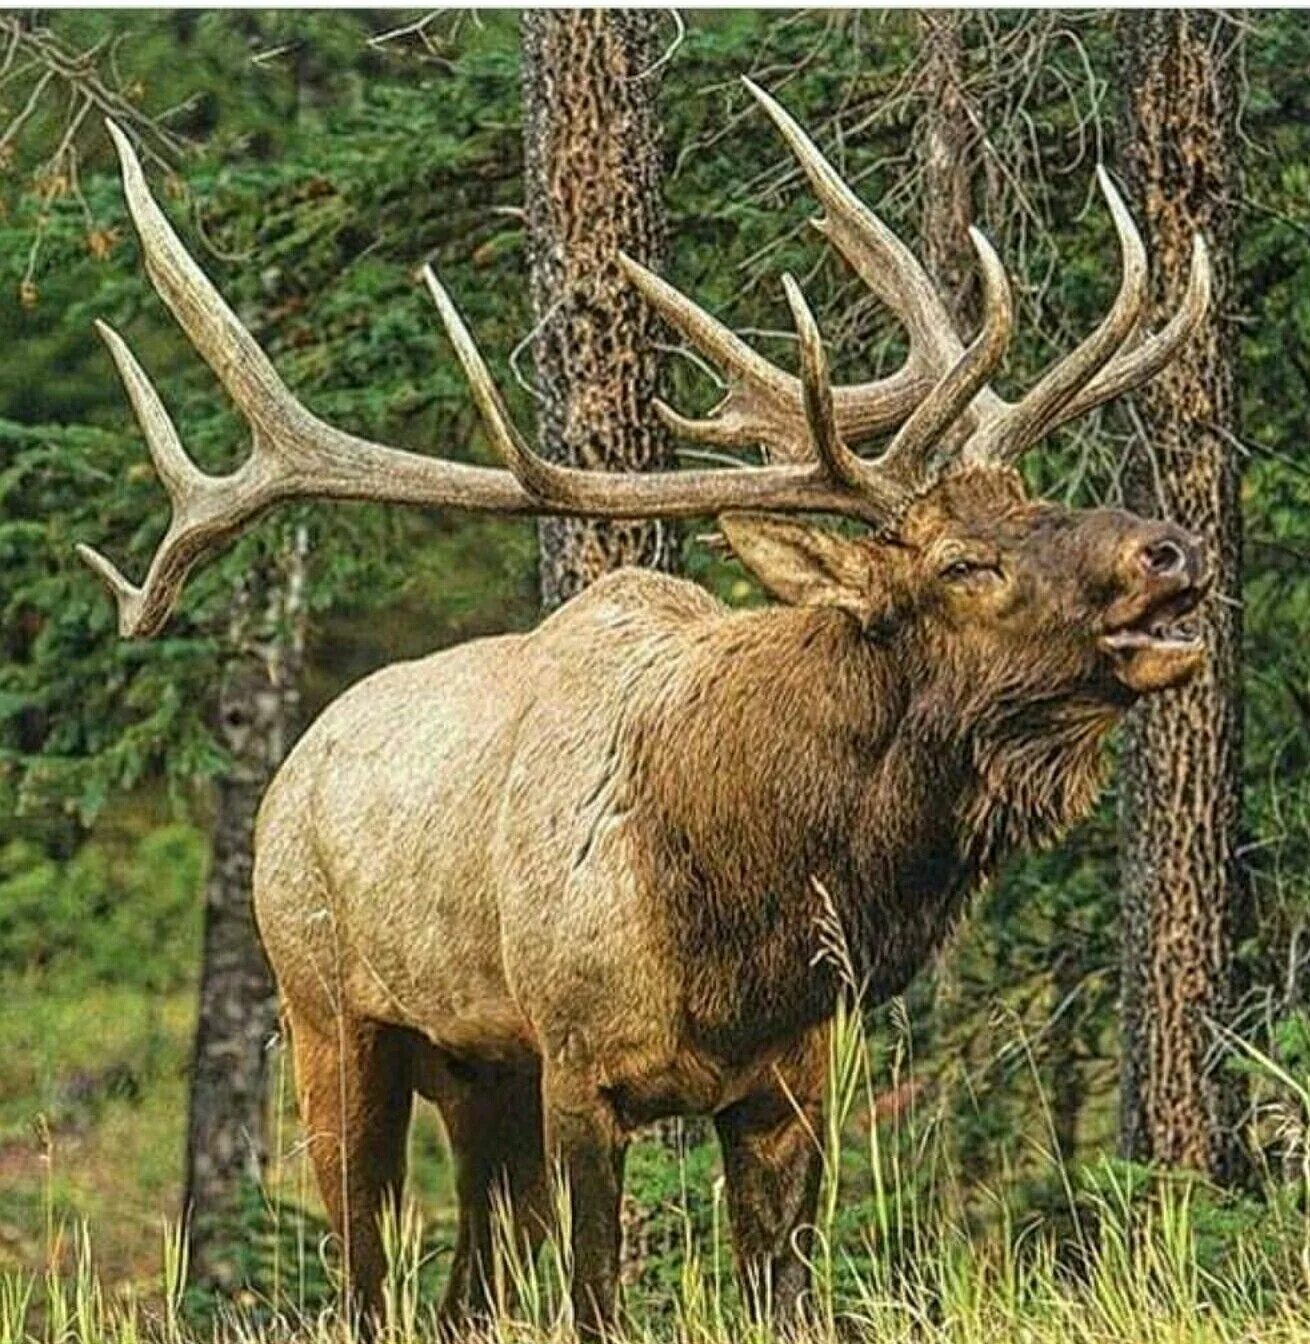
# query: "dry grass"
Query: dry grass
{"points": [[895, 1262]]}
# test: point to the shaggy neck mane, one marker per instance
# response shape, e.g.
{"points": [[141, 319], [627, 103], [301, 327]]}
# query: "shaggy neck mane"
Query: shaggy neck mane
{"points": [[1013, 765], [1036, 773], [809, 759], [1027, 764]]}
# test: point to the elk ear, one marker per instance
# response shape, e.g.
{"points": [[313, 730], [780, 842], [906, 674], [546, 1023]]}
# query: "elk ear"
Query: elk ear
{"points": [[803, 565]]}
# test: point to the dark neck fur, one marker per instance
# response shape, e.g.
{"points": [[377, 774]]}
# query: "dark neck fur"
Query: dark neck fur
{"points": [[804, 761]]}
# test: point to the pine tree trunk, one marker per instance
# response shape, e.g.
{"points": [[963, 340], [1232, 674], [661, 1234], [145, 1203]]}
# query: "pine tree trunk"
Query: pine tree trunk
{"points": [[1066, 1075], [227, 1122], [1182, 885], [946, 135], [593, 170]]}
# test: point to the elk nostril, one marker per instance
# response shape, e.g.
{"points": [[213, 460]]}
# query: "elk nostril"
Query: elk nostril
{"points": [[1163, 557]]}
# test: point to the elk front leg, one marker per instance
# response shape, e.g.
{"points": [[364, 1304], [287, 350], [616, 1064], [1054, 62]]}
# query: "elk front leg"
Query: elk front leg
{"points": [[493, 1116], [584, 1139], [773, 1162]]}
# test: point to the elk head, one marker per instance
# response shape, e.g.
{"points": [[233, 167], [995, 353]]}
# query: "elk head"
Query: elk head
{"points": [[976, 584]]}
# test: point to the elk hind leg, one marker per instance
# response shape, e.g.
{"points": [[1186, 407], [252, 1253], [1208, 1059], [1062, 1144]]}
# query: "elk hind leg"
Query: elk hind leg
{"points": [[492, 1114], [353, 1078]]}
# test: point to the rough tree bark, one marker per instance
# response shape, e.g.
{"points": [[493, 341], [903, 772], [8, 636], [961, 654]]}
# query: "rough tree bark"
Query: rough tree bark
{"points": [[593, 178], [258, 719], [1183, 888], [946, 135], [228, 1113], [1062, 1042], [948, 132]]}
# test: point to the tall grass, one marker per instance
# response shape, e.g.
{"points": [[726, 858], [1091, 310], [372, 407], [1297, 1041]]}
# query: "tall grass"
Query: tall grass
{"points": [[897, 1257]]}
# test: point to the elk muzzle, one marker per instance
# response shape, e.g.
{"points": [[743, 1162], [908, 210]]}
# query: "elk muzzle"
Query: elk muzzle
{"points": [[1147, 634]]}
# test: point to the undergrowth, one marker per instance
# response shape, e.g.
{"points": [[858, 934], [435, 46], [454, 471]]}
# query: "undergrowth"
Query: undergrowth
{"points": [[1111, 1252]]}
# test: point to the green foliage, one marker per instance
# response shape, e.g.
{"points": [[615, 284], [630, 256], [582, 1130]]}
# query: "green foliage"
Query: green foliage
{"points": [[123, 919]]}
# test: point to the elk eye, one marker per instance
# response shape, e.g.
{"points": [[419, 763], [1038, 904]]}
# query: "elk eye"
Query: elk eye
{"points": [[960, 569]]}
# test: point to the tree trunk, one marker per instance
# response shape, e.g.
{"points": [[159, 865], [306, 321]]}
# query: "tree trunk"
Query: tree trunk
{"points": [[227, 1121], [1182, 885], [593, 176], [946, 136], [1066, 1075]]}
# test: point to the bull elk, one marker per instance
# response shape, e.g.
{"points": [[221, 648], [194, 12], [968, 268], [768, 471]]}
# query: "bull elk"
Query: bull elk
{"points": [[565, 882]]}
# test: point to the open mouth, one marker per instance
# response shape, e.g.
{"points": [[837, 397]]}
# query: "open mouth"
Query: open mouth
{"points": [[1159, 646]]}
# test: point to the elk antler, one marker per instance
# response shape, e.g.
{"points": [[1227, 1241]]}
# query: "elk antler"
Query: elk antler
{"points": [[763, 404], [939, 398], [295, 455]]}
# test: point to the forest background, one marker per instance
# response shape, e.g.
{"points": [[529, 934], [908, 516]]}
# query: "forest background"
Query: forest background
{"points": [[315, 161]]}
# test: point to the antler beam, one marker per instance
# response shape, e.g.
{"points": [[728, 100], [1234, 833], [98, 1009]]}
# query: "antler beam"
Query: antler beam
{"points": [[295, 455], [938, 403]]}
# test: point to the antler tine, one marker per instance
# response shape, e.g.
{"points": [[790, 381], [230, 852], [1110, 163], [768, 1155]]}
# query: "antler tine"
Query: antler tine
{"points": [[201, 311], [837, 460], [825, 438], [196, 523], [706, 333], [907, 454], [841, 465], [1131, 368], [1006, 434], [874, 252], [763, 402], [547, 480], [181, 477]]}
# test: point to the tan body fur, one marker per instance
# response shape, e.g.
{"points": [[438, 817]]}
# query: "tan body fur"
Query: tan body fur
{"points": [[470, 846], [445, 887]]}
